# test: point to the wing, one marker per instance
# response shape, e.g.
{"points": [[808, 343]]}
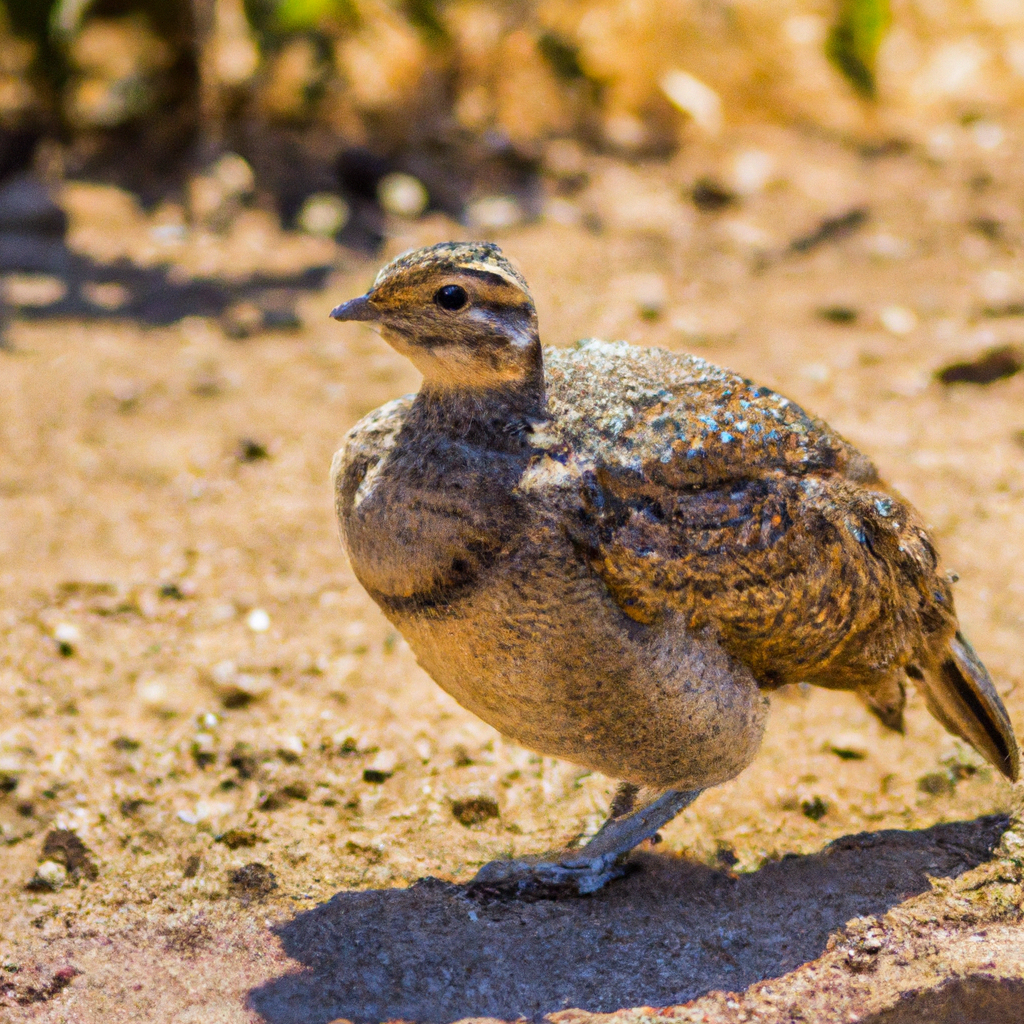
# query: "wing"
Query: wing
{"points": [[679, 421], [711, 496]]}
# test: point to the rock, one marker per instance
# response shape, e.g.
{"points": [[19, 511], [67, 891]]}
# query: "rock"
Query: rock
{"points": [[709, 196], [494, 212], [849, 747], [381, 768], [49, 877], [402, 195], [236, 838], [814, 808], [250, 450], [65, 848], [474, 810], [323, 214], [254, 879], [694, 97], [898, 320], [995, 364]]}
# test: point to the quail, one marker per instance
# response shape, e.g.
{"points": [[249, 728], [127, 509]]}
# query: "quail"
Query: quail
{"points": [[611, 553]]}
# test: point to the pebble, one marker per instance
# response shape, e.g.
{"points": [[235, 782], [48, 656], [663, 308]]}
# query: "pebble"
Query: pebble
{"points": [[898, 320], [694, 97], [235, 174], [67, 632], [382, 767], [258, 620], [751, 171], [52, 874], [475, 810], [848, 747], [291, 748], [154, 694], [402, 195], [493, 212], [253, 879], [324, 214]]}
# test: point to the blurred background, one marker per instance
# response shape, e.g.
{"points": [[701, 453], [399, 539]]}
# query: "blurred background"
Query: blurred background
{"points": [[344, 110]]}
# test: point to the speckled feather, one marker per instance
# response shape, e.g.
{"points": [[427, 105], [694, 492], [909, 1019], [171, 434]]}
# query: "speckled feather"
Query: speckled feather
{"points": [[724, 500]]}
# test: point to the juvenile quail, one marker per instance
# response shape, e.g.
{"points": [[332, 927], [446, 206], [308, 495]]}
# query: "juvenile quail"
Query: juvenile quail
{"points": [[610, 553]]}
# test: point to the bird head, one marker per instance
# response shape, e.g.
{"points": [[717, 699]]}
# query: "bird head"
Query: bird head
{"points": [[460, 311]]}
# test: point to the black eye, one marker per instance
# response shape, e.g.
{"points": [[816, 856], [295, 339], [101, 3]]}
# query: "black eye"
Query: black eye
{"points": [[451, 297]]}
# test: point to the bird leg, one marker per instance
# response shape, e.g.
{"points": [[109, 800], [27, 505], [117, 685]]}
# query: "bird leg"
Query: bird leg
{"points": [[637, 814]]}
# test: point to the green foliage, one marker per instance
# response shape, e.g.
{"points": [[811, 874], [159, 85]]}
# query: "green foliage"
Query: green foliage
{"points": [[424, 16], [277, 16], [853, 41], [30, 18]]}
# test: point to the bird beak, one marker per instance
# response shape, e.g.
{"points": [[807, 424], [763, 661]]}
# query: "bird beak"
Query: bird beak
{"points": [[355, 309]]}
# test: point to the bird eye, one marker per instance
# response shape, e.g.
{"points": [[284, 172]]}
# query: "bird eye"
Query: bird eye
{"points": [[451, 297]]}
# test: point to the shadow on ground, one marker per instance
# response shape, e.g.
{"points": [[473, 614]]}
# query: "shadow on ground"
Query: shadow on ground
{"points": [[668, 933]]}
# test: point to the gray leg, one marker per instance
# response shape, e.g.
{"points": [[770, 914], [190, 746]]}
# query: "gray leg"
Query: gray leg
{"points": [[636, 815]]}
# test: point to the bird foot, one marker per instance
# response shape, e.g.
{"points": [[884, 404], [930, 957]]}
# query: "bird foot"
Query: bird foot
{"points": [[538, 878]]}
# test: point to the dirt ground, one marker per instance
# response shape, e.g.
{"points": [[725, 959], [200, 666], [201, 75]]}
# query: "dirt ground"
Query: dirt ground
{"points": [[192, 681]]}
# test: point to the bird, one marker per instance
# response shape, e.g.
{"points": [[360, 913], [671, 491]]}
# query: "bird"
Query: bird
{"points": [[612, 553]]}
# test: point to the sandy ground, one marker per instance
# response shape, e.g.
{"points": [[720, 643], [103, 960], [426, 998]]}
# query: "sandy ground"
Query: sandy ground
{"points": [[192, 681]]}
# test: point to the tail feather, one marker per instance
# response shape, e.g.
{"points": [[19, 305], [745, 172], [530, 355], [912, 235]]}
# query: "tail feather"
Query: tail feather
{"points": [[960, 694]]}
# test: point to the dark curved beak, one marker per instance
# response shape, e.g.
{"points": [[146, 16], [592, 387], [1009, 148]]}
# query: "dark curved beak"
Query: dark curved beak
{"points": [[355, 309]]}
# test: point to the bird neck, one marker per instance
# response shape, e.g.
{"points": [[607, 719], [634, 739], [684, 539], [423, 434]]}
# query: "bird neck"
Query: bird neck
{"points": [[500, 410]]}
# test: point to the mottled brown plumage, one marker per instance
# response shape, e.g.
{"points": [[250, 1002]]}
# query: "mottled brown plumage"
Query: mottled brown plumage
{"points": [[609, 552]]}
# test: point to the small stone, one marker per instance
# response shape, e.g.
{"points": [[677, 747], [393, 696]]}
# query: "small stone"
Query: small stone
{"points": [[66, 848], [936, 784], [848, 747], [253, 879], [695, 98], [494, 212], [382, 767], [250, 450], [154, 695], [49, 876], [323, 214], [33, 290], [475, 810], [710, 197], [402, 195], [815, 808], [752, 169], [291, 749], [898, 320], [258, 620], [67, 636], [838, 314], [235, 174], [236, 838]]}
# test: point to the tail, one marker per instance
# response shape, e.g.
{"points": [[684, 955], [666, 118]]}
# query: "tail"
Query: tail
{"points": [[961, 696]]}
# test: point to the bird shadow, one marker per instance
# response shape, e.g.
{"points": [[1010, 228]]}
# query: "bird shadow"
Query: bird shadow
{"points": [[667, 933]]}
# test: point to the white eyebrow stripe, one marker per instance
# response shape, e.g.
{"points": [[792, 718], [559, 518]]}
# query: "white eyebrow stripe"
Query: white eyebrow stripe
{"points": [[490, 268]]}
